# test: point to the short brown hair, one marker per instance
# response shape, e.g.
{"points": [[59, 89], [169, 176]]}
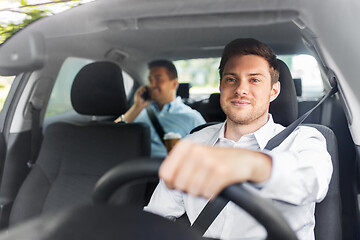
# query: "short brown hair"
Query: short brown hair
{"points": [[250, 46], [170, 67]]}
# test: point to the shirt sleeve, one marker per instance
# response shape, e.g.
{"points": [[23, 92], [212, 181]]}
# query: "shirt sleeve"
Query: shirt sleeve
{"points": [[302, 169], [166, 202]]}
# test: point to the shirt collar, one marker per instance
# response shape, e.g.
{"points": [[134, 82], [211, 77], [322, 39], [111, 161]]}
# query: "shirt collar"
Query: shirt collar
{"points": [[262, 135], [168, 106], [265, 133]]}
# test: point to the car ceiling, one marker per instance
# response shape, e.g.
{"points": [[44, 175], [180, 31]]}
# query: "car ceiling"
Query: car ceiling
{"points": [[133, 32], [138, 31]]}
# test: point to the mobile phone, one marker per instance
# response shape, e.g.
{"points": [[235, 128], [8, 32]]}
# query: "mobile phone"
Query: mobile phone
{"points": [[146, 94]]}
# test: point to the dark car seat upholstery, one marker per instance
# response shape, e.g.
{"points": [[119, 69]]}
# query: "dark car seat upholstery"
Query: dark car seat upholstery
{"points": [[183, 91], [284, 110], [73, 156], [328, 212], [210, 108], [213, 109]]}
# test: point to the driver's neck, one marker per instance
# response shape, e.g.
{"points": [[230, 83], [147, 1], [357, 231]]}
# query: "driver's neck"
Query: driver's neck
{"points": [[234, 131]]}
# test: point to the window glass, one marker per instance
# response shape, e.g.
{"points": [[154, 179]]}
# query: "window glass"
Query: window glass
{"points": [[128, 83], [17, 14], [204, 76], [5, 84], [60, 96], [60, 101], [305, 68]]}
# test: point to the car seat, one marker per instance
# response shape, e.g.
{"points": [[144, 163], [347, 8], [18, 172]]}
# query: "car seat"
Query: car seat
{"points": [[74, 155], [183, 91], [328, 212]]}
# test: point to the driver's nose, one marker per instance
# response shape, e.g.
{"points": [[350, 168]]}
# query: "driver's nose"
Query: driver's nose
{"points": [[242, 88]]}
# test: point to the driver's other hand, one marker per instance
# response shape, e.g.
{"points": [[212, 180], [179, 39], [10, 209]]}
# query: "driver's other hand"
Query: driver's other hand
{"points": [[139, 101], [204, 170]]}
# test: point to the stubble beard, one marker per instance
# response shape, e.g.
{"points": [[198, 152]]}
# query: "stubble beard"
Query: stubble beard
{"points": [[245, 117]]}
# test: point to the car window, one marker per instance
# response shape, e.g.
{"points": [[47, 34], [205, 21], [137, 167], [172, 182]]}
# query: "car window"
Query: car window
{"points": [[305, 68], [17, 14], [60, 101], [5, 84], [60, 96], [203, 75], [128, 83]]}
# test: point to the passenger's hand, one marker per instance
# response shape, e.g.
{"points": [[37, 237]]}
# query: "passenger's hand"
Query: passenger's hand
{"points": [[139, 101], [136, 108], [204, 171]]}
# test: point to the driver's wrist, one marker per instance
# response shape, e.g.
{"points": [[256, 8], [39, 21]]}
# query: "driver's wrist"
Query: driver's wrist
{"points": [[262, 168]]}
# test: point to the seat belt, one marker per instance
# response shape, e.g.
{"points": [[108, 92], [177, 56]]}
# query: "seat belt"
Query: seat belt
{"points": [[36, 136], [213, 208], [156, 124]]}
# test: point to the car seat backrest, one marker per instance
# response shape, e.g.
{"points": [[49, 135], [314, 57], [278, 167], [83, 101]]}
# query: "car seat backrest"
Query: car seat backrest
{"points": [[328, 212], [298, 86], [284, 108], [183, 91], [213, 111], [73, 156]]}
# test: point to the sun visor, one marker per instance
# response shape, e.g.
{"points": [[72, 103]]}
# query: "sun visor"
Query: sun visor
{"points": [[22, 53]]}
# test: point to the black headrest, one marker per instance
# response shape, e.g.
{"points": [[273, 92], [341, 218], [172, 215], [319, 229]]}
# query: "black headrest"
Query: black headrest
{"points": [[98, 89], [284, 108], [214, 99], [183, 90], [298, 86]]}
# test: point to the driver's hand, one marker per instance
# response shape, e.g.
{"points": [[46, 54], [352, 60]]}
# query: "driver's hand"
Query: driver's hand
{"points": [[204, 170]]}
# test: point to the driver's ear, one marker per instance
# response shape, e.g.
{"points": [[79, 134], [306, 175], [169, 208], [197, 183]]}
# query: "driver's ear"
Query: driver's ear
{"points": [[275, 91]]}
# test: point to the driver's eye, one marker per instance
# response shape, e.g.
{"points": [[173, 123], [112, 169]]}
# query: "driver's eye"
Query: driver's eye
{"points": [[230, 80]]}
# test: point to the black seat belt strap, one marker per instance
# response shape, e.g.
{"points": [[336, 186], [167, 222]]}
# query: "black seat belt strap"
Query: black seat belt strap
{"points": [[278, 138], [156, 124], [36, 136], [214, 207], [208, 214]]}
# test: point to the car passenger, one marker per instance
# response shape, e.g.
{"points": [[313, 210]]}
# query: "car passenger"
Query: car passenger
{"points": [[294, 176], [172, 114]]}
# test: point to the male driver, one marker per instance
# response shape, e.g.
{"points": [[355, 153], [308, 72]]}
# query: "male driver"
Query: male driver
{"points": [[172, 113], [295, 175]]}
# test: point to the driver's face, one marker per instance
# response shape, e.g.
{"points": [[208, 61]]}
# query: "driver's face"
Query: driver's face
{"points": [[246, 89]]}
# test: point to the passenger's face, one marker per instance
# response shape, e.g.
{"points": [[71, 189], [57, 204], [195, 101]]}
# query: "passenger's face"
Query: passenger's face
{"points": [[246, 90], [161, 85]]}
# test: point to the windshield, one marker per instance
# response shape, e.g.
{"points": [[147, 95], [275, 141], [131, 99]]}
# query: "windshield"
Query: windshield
{"points": [[15, 15]]}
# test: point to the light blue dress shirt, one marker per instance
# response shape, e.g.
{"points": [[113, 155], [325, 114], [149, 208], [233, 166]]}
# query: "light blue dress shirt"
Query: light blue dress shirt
{"points": [[174, 117]]}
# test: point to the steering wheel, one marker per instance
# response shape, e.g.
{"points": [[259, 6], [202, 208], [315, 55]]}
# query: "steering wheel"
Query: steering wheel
{"points": [[259, 208]]}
